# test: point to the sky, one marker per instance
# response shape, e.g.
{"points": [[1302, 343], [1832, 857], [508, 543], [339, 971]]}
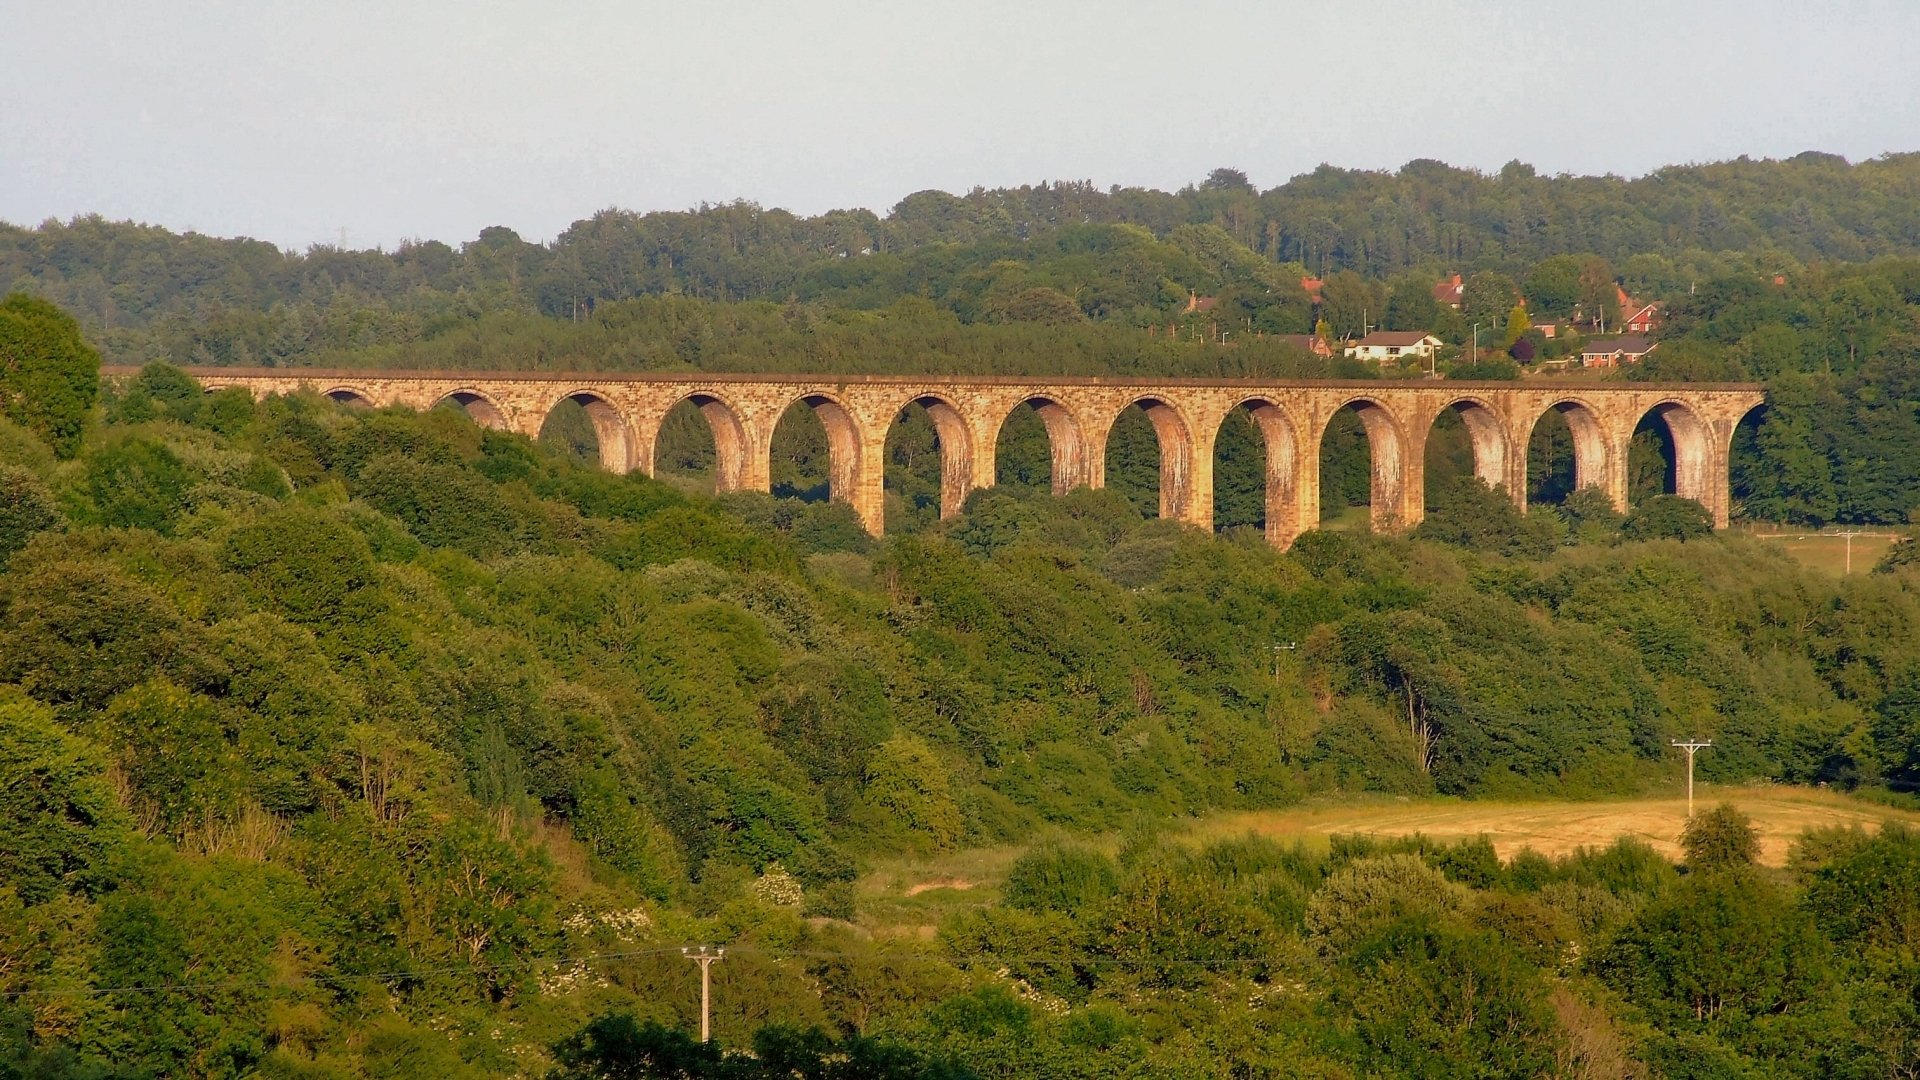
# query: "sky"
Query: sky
{"points": [[377, 122]]}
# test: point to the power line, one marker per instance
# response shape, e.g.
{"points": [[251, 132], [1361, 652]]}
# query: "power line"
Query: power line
{"points": [[582, 959]]}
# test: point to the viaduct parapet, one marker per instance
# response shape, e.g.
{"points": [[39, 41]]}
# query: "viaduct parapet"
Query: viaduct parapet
{"points": [[627, 410]]}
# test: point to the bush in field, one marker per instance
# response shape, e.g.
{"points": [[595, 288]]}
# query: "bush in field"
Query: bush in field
{"points": [[1369, 893], [1060, 877]]}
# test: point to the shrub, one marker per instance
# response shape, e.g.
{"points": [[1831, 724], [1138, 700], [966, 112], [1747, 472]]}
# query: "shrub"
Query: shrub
{"points": [[26, 508], [49, 375], [1370, 893], [136, 483], [1667, 517], [1060, 877], [302, 563], [1720, 838]]}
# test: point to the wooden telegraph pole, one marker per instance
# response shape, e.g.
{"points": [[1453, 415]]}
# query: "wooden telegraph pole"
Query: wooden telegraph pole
{"points": [[1691, 747], [705, 959]]}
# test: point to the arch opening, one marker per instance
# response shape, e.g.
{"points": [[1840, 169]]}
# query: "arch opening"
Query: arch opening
{"points": [[1465, 439], [1566, 451], [1669, 454], [814, 452], [1149, 458], [1362, 463], [929, 464], [346, 395], [1256, 472], [1777, 472], [590, 427], [1550, 460], [700, 444], [478, 408], [1021, 459]]}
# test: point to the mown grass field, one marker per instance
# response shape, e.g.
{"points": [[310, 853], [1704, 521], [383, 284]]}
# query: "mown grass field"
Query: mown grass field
{"points": [[1828, 552], [912, 895]]}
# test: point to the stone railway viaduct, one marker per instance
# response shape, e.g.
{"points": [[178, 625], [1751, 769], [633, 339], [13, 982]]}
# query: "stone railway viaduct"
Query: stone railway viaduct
{"points": [[627, 410]]}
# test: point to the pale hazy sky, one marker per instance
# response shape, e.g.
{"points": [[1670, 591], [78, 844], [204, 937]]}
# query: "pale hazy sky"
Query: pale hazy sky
{"points": [[406, 118]]}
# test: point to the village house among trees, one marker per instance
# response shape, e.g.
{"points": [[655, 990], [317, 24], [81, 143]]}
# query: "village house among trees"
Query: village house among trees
{"points": [[1394, 345]]}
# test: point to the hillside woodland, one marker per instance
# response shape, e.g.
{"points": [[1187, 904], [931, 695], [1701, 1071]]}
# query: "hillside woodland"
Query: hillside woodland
{"points": [[345, 743], [350, 743]]}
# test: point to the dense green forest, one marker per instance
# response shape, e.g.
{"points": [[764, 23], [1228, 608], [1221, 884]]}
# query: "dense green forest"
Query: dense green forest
{"points": [[340, 743], [345, 743]]}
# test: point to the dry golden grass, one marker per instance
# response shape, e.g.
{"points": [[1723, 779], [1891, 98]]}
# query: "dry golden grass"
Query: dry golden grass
{"points": [[1780, 814], [912, 895]]}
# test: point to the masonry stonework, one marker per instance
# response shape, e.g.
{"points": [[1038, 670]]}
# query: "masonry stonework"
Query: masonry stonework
{"points": [[627, 410]]}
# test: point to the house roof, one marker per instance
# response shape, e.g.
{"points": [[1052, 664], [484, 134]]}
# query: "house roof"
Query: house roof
{"points": [[1628, 344], [1450, 291], [1402, 338], [1313, 286]]}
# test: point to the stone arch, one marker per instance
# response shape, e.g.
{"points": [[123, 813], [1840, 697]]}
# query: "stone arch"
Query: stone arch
{"points": [[843, 442], [1064, 440], [955, 437], [1174, 437], [609, 427], [730, 446], [1283, 487], [1693, 451], [1592, 455], [482, 409], [347, 395], [1387, 448], [1487, 431]]}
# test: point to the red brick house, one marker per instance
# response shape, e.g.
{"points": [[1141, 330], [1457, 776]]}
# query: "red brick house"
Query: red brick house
{"points": [[1450, 292], [1636, 317]]}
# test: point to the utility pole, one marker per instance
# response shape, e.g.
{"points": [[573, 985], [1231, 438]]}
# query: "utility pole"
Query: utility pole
{"points": [[1275, 649], [1691, 747], [705, 959], [1850, 534]]}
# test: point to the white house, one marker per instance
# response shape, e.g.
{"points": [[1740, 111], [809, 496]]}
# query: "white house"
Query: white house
{"points": [[1382, 346]]}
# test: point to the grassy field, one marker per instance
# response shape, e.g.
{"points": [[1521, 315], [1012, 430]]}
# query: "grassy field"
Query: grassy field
{"points": [[1780, 814], [1828, 551], [912, 896]]}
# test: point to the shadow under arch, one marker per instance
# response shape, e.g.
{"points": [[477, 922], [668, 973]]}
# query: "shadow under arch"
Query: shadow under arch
{"points": [[729, 438], [843, 441], [347, 395], [1173, 437], [1281, 467], [609, 428], [952, 440], [1066, 446], [1692, 442], [1387, 448], [1487, 436], [1589, 436], [480, 408]]}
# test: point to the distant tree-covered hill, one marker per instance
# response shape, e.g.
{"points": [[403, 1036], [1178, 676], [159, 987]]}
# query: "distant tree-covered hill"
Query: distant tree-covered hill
{"points": [[1054, 251]]}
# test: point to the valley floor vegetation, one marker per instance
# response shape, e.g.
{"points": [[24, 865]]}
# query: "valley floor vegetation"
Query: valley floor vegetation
{"points": [[350, 743]]}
